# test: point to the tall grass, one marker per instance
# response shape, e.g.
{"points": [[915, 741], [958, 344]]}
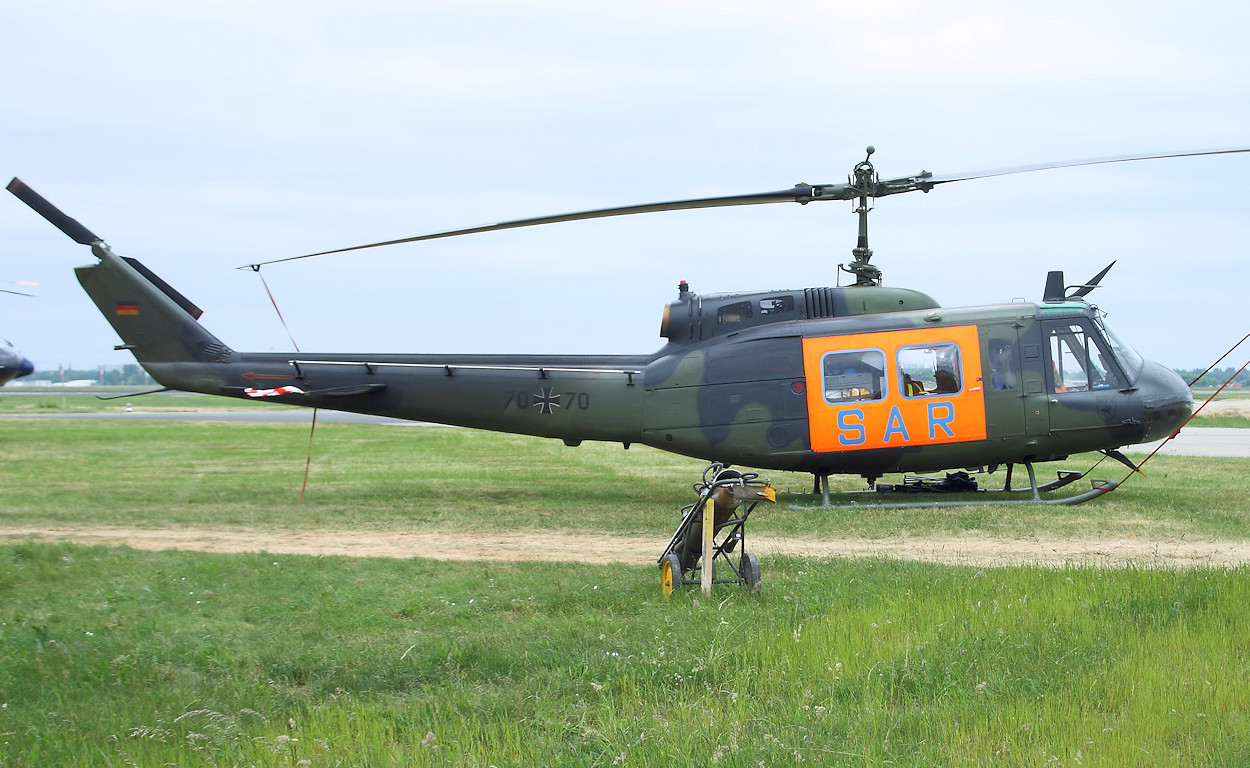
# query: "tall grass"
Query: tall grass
{"points": [[114, 657]]}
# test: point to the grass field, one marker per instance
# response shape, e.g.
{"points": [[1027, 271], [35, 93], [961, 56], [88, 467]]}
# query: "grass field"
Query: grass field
{"points": [[385, 477], [116, 657], [112, 656]]}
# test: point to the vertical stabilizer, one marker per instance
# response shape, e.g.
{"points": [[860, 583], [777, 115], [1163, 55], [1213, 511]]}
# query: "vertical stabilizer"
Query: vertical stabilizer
{"points": [[155, 322]]}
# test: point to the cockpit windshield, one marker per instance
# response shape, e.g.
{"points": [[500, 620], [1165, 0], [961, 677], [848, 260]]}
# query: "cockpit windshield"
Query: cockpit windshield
{"points": [[1129, 360]]}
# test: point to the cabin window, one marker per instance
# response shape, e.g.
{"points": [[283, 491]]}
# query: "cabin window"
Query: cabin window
{"points": [[775, 305], [853, 376], [733, 313], [1078, 363], [929, 369]]}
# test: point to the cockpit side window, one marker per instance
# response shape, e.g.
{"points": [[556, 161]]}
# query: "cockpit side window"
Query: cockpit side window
{"points": [[1078, 361], [853, 375]]}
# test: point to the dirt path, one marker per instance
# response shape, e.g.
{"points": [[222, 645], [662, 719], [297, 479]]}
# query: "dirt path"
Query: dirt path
{"points": [[1239, 407], [576, 547]]}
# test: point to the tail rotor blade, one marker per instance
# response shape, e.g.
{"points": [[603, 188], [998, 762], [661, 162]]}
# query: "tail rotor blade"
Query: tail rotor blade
{"points": [[70, 226]]}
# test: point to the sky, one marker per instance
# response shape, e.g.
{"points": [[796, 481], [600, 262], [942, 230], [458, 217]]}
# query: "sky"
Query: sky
{"points": [[200, 137]]}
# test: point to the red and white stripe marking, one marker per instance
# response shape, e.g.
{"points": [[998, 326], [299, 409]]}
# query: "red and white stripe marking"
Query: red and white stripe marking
{"points": [[274, 392]]}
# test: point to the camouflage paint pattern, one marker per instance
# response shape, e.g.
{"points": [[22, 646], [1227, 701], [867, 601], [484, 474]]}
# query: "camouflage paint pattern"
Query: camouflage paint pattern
{"points": [[740, 380]]}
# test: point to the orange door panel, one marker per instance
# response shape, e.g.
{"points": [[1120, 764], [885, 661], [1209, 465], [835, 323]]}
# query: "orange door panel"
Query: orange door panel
{"points": [[894, 388]]}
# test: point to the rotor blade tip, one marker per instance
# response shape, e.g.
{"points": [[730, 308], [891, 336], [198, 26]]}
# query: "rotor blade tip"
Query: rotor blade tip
{"points": [[51, 213]]}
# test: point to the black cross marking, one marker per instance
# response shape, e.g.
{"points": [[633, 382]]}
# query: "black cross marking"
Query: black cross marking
{"points": [[546, 400]]}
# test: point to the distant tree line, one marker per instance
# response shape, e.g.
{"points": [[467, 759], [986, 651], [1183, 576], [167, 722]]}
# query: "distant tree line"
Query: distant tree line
{"points": [[129, 375], [1216, 377]]}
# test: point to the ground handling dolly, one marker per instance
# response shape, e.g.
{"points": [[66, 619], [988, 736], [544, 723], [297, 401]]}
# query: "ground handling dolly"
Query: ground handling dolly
{"points": [[727, 490]]}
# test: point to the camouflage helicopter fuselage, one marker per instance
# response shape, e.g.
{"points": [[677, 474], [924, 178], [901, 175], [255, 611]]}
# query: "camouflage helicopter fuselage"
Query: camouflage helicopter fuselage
{"points": [[851, 380]]}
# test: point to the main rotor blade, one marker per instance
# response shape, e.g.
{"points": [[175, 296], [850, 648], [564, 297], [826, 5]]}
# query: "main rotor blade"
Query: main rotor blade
{"points": [[77, 232], [801, 193], [1076, 163], [17, 282]]}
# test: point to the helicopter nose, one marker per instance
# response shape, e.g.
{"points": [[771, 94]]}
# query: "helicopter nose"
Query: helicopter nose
{"points": [[1166, 401], [26, 369]]}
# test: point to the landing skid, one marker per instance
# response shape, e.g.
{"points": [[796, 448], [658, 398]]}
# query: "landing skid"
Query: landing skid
{"points": [[1065, 477]]}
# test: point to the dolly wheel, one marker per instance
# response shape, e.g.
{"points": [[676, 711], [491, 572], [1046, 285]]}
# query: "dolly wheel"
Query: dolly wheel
{"points": [[670, 574], [750, 568]]}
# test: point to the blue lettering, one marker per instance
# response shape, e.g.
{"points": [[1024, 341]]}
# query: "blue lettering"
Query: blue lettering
{"points": [[944, 421], [856, 429], [895, 426]]}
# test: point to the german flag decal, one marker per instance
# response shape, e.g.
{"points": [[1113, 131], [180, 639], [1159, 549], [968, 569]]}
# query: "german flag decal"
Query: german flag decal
{"points": [[127, 307]]}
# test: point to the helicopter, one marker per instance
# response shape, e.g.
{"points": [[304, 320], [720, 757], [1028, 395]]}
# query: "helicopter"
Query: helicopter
{"points": [[861, 379], [13, 364]]}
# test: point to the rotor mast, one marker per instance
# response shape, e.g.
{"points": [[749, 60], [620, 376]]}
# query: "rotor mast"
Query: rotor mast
{"points": [[863, 181]]}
